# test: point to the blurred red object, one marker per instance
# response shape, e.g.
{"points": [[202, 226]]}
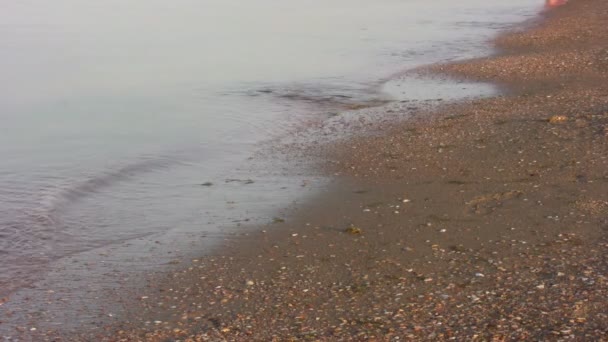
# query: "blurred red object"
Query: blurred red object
{"points": [[555, 3]]}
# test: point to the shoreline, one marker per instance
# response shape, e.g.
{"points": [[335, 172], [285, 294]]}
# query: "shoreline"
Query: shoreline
{"points": [[480, 221]]}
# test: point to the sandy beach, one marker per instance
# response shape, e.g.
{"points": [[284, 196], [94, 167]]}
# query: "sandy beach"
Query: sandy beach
{"points": [[482, 220]]}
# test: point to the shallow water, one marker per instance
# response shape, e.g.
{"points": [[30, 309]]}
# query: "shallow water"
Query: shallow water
{"points": [[113, 114]]}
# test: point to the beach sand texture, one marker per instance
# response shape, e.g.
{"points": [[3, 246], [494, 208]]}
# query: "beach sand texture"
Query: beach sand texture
{"points": [[483, 220]]}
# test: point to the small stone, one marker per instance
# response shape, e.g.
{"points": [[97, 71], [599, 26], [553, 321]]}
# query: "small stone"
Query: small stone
{"points": [[353, 230], [541, 287], [249, 283], [480, 275], [558, 119]]}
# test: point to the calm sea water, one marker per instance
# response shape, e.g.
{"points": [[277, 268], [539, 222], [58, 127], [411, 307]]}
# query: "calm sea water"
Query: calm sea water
{"points": [[113, 113]]}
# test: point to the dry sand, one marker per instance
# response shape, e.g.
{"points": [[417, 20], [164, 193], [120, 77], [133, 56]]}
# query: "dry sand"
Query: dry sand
{"points": [[484, 221]]}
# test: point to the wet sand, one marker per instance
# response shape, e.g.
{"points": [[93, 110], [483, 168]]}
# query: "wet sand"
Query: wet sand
{"points": [[482, 220]]}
